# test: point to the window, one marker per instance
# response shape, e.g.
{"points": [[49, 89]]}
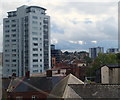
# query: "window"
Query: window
{"points": [[13, 50], [35, 60], [13, 20], [7, 36], [40, 38], [13, 44], [19, 98], [13, 30], [35, 44], [8, 70], [34, 22], [40, 54], [7, 65], [14, 25], [35, 38], [13, 65], [41, 71], [35, 55], [14, 60], [40, 65], [6, 26], [34, 33], [14, 40], [6, 50], [35, 71], [40, 43], [13, 70], [6, 60], [35, 49], [7, 31], [35, 66], [7, 21], [7, 45], [40, 49], [35, 28], [13, 35], [14, 55], [40, 60], [34, 17], [7, 41], [7, 55]]}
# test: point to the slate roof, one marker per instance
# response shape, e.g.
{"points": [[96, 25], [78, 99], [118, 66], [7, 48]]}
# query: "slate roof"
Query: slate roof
{"points": [[33, 84], [62, 90], [5, 83], [112, 65], [97, 91], [36, 7]]}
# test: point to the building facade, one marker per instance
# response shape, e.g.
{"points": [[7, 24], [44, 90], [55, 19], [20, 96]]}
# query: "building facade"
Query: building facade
{"points": [[93, 52], [56, 55], [110, 74], [112, 50], [26, 41]]}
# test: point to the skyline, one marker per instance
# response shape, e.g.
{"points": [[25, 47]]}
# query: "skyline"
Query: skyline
{"points": [[74, 23]]}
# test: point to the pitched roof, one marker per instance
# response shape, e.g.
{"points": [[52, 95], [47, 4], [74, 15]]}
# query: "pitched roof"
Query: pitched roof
{"points": [[5, 83], [33, 84], [94, 91], [62, 90], [112, 65]]}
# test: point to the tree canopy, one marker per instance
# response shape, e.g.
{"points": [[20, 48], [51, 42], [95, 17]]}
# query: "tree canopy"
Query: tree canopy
{"points": [[101, 60]]}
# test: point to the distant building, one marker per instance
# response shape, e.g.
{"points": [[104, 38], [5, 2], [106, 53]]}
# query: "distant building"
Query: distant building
{"points": [[112, 50], [26, 43], [52, 47], [83, 54], [55, 54], [110, 74], [93, 52]]}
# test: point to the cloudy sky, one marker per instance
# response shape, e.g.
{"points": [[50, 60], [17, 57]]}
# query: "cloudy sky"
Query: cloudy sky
{"points": [[75, 24]]}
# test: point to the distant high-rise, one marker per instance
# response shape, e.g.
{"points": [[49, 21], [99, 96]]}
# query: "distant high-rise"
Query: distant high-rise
{"points": [[112, 50], [93, 52], [55, 54], [26, 43]]}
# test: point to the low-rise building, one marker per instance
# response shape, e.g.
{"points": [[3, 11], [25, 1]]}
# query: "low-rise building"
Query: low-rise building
{"points": [[71, 88], [31, 88], [110, 74]]}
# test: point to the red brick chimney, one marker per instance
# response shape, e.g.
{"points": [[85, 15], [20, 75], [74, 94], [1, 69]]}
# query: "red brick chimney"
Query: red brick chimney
{"points": [[27, 74], [49, 73]]}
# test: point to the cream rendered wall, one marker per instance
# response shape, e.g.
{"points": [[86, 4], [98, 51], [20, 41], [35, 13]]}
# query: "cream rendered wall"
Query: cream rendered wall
{"points": [[105, 75]]}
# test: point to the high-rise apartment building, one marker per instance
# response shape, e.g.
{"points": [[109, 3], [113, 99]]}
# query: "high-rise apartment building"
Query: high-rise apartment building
{"points": [[26, 41], [112, 50], [93, 52]]}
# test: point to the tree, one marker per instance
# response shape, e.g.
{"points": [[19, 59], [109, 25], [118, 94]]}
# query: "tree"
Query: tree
{"points": [[102, 59], [88, 60]]}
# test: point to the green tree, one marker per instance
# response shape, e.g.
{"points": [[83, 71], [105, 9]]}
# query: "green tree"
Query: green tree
{"points": [[101, 60]]}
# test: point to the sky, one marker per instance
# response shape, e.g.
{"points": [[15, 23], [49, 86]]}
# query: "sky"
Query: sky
{"points": [[76, 25]]}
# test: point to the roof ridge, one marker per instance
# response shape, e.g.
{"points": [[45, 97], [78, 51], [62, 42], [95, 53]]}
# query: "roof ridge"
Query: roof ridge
{"points": [[20, 81]]}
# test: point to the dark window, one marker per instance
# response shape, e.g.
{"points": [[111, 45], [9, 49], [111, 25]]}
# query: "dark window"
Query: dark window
{"points": [[34, 17], [35, 60], [35, 49]]}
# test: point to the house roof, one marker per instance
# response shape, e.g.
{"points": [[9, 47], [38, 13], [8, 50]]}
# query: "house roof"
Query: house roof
{"points": [[5, 83], [96, 91], [33, 84], [62, 90], [112, 65]]}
